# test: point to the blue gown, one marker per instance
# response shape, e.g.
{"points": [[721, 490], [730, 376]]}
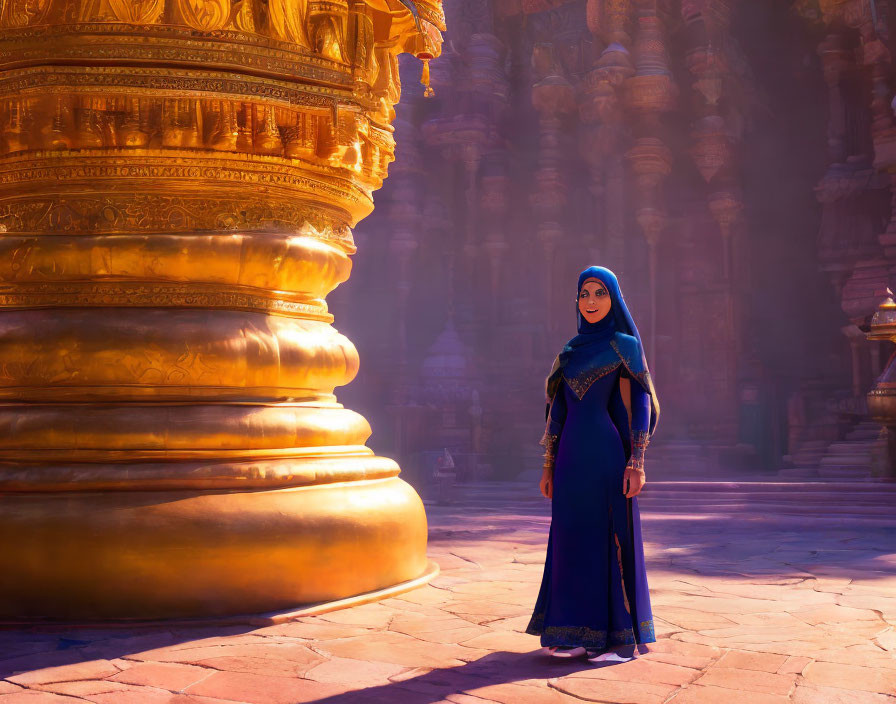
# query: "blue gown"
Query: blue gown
{"points": [[594, 588]]}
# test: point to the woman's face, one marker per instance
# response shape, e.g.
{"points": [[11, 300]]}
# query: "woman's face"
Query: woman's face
{"points": [[594, 301]]}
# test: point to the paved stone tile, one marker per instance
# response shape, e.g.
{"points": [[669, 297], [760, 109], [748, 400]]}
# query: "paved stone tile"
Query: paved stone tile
{"points": [[697, 694], [442, 628], [286, 658], [677, 652], [124, 643], [482, 607], [83, 688], [428, 595], [518, 694], [135, 694], [174, 677], [90, 670], [834, 613], [464, 699], [507, 641], [258, 689], [866, 679], [747, 680], [32, 697], [369, 615], [814, 694], [864, 655], [190, 643], [312, 629], [691, 618], [746, 660], [400, 650], [615, 692], [640, 670], [260, 664], [516, 623], [146, 695], [353, 673], [793, 664], [454, 635], [441, 682], [782, 620]]}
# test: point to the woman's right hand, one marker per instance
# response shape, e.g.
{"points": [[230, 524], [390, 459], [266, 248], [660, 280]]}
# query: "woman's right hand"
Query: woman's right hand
{"points": [[547, 484]]}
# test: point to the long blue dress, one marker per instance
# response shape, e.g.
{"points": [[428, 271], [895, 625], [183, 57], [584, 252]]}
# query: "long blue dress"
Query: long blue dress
{"points": [[594, 590]]}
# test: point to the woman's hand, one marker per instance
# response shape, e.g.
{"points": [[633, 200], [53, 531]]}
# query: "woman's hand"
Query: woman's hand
{"points": [[547, 483], [633, 480]]}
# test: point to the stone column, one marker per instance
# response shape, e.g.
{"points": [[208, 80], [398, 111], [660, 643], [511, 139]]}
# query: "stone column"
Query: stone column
{"points": [[603, 119], [554, 99], [405, 220], [651, 92], [602, 116], [178, 181], [493, 204]]}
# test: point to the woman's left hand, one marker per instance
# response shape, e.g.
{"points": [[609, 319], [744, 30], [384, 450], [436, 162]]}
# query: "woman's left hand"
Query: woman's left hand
{"points": [[632, 481]]}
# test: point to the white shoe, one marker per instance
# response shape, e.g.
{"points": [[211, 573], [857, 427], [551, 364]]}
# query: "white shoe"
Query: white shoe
{"points": [[609, 656], [559, 652]]}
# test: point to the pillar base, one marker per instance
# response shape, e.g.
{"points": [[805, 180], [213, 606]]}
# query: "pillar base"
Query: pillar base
{"points": [[140, 555]]}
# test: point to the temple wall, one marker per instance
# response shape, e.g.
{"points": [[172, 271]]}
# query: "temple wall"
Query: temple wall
{"points": [[727, 159]]}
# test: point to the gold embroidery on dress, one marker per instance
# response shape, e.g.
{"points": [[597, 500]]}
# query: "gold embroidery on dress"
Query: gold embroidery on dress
{"points": [[581, 383], [642, 377], [619, 561], [589, 637], [549, 441], [622, 579]]}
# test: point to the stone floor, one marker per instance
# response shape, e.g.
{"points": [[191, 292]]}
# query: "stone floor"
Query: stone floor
{"points": [[763, 593]]}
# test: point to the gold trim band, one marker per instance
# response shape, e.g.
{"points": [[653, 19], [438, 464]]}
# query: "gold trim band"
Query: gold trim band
{"points": [[155, 295]]}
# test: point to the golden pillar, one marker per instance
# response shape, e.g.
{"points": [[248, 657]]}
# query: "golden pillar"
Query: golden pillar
{"points": [[178, 180]]}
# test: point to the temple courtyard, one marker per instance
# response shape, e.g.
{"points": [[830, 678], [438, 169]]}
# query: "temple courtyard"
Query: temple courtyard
{"points": [[764, 592]]}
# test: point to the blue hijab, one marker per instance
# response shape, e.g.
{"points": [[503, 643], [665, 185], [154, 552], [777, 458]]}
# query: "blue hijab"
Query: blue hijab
{"points": [[610, 340]]}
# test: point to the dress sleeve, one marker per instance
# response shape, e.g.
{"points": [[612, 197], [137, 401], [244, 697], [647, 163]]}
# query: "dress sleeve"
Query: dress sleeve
{"points": [[556, 415], [640, 402]]}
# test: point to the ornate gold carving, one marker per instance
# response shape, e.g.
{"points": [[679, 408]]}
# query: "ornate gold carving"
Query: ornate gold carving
{"points": [[141, 295], [46, 43], [286, 21], [204, 15], [161, 351], [129, 11], [22, 13], [130, 211], [327, 28], [202, 475], [314, 26]]}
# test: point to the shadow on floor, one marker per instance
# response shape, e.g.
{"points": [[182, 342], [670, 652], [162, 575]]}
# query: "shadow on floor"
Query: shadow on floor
{"points": [[25, 649], [41, 648], [490, 670]]}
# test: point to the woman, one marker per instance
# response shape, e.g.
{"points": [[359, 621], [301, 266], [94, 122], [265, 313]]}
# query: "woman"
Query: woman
{"points": [[602, 410]]}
